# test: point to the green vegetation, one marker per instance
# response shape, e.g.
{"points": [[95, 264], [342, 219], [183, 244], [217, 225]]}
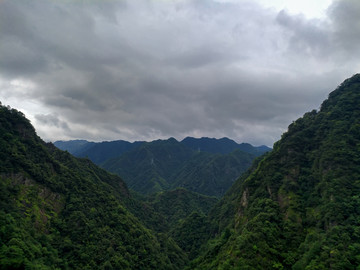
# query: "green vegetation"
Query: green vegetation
{"points": [[97, 152], [192, 233], [212, 174], [298, 207], [59, 212], [207, 166], [166, 165], [149, 168], [176, 205]]}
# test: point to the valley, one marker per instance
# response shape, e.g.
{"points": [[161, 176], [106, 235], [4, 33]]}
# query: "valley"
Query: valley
{"points": [[198, 203]]}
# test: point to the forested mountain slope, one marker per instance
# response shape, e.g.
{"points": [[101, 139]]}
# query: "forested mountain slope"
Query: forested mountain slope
{"points": [[206, 165], [212, 174], [168, 164], [59, 212], [149, 168], [299, 207], [176, 205]]}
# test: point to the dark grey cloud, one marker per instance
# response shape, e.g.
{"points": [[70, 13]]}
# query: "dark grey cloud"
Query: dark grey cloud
{"points": [[345, 19], [146, 69], [310, 38], [332, 40]]}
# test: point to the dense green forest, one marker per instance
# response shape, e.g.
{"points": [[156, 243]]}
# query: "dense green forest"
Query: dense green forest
{"points": [[205, 165], [59, 212], [297, 207], [166, 165]]}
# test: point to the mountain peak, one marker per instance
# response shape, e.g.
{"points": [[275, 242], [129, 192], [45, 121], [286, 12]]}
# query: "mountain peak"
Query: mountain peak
{"points": [[221, 146], [346, 95]]}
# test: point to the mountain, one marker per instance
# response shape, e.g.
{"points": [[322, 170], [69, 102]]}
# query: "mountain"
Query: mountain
{"points": [[149, 168], [168, 164], [60, 212], [222, 146], [97, 152], [208, 166], [73, 146], [100, 152], [299, 206], [212, 174]]}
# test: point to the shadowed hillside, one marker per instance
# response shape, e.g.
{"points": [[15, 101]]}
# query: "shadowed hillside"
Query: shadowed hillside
{"points": [[60, 212], [298, 208]]}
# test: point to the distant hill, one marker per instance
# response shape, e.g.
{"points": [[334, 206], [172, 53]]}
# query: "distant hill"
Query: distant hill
{"points": [[149, 168], [97, 152], [73, 146], [222, 146], [168, 164], [204, 165], [101, 151]]}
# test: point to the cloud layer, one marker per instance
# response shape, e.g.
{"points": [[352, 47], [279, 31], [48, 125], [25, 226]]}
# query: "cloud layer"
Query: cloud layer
{"points": [[146, 69]]}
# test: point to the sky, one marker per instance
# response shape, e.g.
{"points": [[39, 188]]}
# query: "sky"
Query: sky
{"points": [[154, 69]]}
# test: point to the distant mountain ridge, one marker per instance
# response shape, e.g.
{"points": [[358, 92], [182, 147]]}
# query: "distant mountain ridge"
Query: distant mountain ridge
{"points": [[73, 146], [205, 165], [149, 167], [100, 151], [222, 146], [97, 152]]}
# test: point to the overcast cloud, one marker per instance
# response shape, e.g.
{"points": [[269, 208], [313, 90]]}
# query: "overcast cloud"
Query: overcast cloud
{"points": [[148, 69]]}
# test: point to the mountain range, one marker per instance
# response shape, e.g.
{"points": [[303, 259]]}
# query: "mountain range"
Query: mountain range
{"points": [[206, 165], [297, 207]]}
